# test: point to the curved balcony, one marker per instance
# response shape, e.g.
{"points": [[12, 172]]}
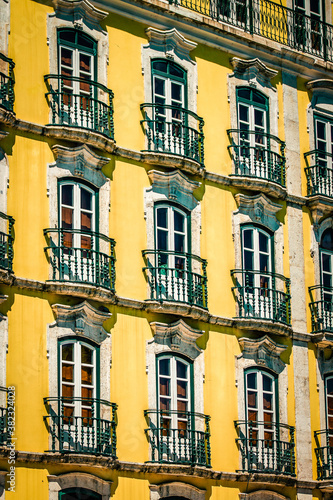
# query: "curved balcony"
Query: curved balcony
{"points": [[266, 447], [262, 295], [177, 277], [173, 130], [6, 242], [77, 102], [81, 257], [81, 425], [263, 160], [321, 308], [319, 173], [186, 443], [324, 453], [6, 83], [290, 27], [5, 435]]}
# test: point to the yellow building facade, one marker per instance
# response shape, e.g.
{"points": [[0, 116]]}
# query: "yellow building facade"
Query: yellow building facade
{"points": [[166, 249]]}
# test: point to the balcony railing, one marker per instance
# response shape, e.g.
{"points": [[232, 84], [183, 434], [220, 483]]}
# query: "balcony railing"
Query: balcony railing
{"points": [[5, 437], [262, 295], [319, 174], [81, 425], [321, 308], [6, 83], [271, 20], [266, 447], [77, 102], [6, 242], [185, 443], [174, 130], [263, 160], [176, 276], [81, 257], [324, 453]]}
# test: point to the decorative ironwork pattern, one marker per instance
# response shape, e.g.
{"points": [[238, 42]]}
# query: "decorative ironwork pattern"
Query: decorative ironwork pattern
{"points": [[6, 242], [183, 137], [321, 308], [93, 432], [324, 453], [319, 174], [190, 445], [93, 262], [261, 162], [262, 295], [270, 20], [91, 109], [185, 281], [274, 453], [6, 83]]}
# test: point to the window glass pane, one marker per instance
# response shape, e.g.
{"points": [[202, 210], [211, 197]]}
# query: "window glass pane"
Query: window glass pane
{"points": [[179, 220], [268, 401], [84, 41], [66, 57], [263, 242], [159, 86], [263, 262], [327, 240], [182, 406], [179, 243], [86, 223], [326, 262], [68, 391], [252, 399], [181, 389], [176, 91], [252, 416], [175, 71], [68, 373], [164, 386], [330, 404], [267, 383], [85, 63], [243, 113], [181, 370], [327, 283], [67, 352], [252, 380], [248, 238], [86, 199], [86, 355], [164, 365], [314, 6], [67, 36], [87, 392], [244, 93], [329, 385], [162, 220], [320, 130], [256, 97], [162, 240], [165, 404], [268, 417], [67, 195], [160, 66], [248, 260], [259, 118], [87, 375]]}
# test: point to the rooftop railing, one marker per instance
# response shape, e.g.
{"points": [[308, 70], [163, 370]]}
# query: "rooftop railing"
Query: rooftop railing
{"points": [[78, 102], [176, 276], [185, 443], [321, 308], [324, 453], [174, 130], [81, 256], [271, 20], [262, 295], [6, 83], [267, 447], [263, 160], [91, 430], [319, 174]]}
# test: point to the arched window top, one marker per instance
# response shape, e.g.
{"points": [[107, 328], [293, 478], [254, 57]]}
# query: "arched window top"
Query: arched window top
{"points": [[327, 240], [76, 39], [168, 69], [252, 96], [78, 494]]}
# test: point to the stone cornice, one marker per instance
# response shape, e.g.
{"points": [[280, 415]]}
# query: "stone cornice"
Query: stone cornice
{"points": [[80, 10], [178, 336], [170, 42]]}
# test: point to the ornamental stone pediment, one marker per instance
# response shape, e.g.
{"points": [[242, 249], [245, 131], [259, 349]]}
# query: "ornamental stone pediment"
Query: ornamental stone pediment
{"points": [[253, 71], [81, 11], [171, 43], [178, 337], [175, 186], [259, 209], [264, 351]]}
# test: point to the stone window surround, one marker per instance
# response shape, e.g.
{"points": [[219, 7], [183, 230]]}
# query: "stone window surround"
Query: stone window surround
{"points": [[245, 215], [321, 104], [3, 353], [84, 17], [278, 368], [66, 327], [165, 490], [170, 44], [89, 169], [5, 26], [257, 75], [78, 480], [4, 176]]}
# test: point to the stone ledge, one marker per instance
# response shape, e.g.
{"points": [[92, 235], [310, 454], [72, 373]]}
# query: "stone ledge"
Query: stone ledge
{"points": [[262, 325], [264, 186], [100, 462]]}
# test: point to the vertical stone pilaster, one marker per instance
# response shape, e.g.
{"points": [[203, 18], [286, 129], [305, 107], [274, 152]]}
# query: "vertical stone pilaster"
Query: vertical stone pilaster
{"points": [[297, 282]]}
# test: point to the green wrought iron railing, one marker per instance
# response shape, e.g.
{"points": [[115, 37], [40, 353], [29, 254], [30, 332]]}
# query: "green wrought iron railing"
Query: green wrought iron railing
{"points": [[271, 20], [321, 308], [324, 453], [174, 130], [319, 174], [81, 256], [76, 430], [176, 276], [6, 83], [262, 295], [263, 160], [77, 102], [5, 437], [185, 443], [6, 242], [267, 447]]}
